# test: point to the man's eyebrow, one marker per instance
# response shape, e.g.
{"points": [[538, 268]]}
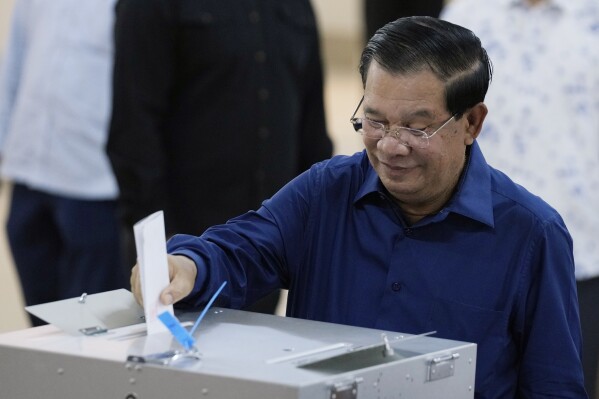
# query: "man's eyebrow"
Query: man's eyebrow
{"points": [[370, 110], [419, 113], [425, 113]]}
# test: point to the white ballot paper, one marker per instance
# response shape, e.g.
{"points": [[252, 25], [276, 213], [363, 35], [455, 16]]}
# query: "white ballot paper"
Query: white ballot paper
{"points": [[150, 243]]}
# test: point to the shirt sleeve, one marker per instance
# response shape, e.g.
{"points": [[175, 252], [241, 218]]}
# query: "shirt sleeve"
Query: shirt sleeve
{"points": [[12, 67], [548, 323], [142, 86]]}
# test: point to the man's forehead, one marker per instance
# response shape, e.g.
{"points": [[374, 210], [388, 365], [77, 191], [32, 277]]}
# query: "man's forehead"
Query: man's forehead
{"points": [[418, 94], [379, 79]]}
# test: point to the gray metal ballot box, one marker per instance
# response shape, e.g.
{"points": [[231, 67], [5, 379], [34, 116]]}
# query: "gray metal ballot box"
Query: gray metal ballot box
{"points": [[239, 355]]}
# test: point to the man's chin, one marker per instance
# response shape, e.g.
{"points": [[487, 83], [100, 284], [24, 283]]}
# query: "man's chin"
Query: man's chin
{"points": [[400, 189]]}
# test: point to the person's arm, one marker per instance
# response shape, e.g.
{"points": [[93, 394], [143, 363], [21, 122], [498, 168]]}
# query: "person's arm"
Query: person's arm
{"points": [[246, 252], [256, 253], [547, 323], [12, 67], [142, 90]]}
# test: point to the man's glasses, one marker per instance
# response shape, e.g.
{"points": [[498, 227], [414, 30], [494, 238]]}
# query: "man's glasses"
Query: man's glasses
{"points": [[405, 135]]}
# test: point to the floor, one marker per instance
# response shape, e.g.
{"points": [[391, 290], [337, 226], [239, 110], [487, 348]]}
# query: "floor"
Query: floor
{"points": [[12, 315], [342, 93]]}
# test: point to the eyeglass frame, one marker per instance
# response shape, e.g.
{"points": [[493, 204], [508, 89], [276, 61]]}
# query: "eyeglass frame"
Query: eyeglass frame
{"points": [[357, 123]]}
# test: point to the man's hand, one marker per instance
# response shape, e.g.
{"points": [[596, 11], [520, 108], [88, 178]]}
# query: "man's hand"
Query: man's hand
{"points": [[182, 274]]}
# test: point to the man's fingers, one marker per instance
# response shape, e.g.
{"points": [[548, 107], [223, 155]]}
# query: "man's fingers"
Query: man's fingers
{"points": [[182, 274], [167, 297], [182, 271], [136, 285]]}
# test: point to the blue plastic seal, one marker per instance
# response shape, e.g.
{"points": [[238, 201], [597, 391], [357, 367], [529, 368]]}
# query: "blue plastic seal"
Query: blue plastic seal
{"points": [[177, 330]]}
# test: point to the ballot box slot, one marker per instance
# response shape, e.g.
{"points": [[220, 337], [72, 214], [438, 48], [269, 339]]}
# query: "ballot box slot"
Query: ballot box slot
{"points": [[356, 360]]}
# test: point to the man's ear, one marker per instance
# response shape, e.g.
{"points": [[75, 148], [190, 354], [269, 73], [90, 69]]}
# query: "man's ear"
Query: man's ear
{"points": [[475, 117]]}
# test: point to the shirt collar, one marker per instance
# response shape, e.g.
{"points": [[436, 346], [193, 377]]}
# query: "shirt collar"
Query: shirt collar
{"points": [[372, 184], [472, 198]]}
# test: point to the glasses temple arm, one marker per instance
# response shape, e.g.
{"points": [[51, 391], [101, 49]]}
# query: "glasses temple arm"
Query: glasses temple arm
{"points": [[357, 108]]}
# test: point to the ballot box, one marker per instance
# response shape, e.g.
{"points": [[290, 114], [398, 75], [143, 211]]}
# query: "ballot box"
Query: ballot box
{"points": [[237, 355]]}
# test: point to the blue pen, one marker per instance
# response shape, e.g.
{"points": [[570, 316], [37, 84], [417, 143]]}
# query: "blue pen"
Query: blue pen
{"points": [[197, 323]]}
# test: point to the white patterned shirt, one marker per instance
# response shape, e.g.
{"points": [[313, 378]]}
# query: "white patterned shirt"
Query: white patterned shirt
{"points": [[55, 97], [542, 129]]}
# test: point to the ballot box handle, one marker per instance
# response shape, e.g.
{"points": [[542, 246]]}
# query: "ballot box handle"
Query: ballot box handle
{"points": [[347, 390], [442, 367]]}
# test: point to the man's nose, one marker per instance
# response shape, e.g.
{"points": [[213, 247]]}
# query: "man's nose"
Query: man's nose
{"points": [[392, 143]]}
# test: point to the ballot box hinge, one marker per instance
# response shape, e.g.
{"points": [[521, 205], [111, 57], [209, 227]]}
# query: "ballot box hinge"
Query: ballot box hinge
{"points": [[95, 330], [442, 367], [345, 390]]}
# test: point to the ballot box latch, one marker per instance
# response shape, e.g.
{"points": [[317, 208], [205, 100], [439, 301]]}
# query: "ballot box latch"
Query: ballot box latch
{"points": [[442, 367], [345, 390], [95, 330]]}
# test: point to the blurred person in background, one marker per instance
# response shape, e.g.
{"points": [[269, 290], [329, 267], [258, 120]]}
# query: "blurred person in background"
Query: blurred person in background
{"points": [[543, 124], [62, 225], [378, 12], [217, 104]]}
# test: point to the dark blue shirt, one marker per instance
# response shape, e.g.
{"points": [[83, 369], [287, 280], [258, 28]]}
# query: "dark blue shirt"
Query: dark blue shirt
{"points": [[494, 267]]}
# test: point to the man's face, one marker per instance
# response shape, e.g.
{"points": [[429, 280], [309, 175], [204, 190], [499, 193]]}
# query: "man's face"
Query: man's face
{"points": [[420, 179]]}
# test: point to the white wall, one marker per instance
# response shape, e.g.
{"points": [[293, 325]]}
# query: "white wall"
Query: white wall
{"points": [[341, 18]]}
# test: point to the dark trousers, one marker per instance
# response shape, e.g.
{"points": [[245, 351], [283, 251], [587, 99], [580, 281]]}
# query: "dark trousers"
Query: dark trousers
{"points": [[588, 299], [379, 12], [63, 247]]}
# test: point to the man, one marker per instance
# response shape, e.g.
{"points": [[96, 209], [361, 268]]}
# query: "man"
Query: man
{"points": [[62, 225], [543, 129], [216, 106], [415, 234]]}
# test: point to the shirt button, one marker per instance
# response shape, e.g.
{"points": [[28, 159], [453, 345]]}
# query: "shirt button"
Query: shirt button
{"points": [[254, 17], [263, 94], [409, 232], [396, 286], [263, 133], [260, 56]]}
